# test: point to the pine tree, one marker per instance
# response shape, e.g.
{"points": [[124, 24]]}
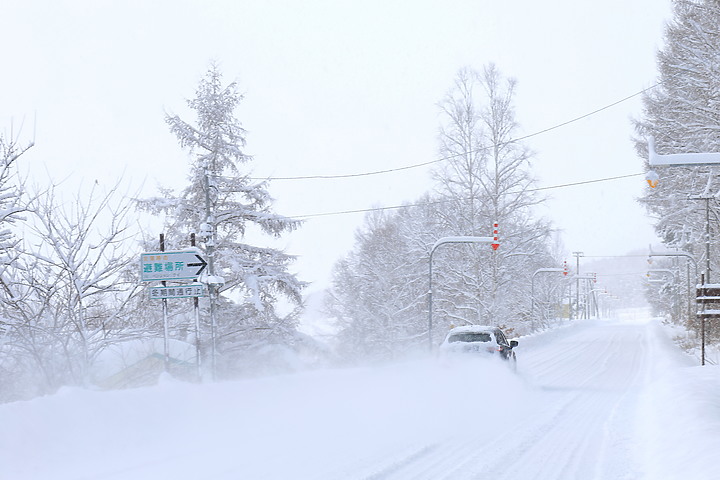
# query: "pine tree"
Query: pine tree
{"points": [[682, 114], [224, 203]]}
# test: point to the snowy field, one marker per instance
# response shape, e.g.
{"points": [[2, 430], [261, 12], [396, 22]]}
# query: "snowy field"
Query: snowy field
{"points": [[599, 399]]}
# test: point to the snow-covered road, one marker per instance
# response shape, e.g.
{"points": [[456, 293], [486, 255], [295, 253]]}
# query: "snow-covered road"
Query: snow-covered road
{"points": [[599, 399]]}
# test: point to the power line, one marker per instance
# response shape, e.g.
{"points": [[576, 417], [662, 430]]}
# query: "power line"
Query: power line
{"points": [[616, 256], [363, 174], [628, 274], [581, 117], [448, 157], [585, 182], [437, 202]]}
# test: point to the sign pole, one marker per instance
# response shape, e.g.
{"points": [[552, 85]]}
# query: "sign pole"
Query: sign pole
{"points": [[210, 249], [196, 307], [166, 341], [176, 266]]}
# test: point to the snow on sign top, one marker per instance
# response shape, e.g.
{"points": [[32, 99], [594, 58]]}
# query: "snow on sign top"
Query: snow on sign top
{"points": [[183, 265]]}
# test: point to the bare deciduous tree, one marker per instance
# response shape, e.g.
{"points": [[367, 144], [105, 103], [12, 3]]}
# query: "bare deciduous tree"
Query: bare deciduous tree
{"points": [[71, 283]]}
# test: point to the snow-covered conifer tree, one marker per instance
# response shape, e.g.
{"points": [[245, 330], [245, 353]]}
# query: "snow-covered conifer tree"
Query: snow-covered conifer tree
{"points": [[682, 114], [222, 197]]}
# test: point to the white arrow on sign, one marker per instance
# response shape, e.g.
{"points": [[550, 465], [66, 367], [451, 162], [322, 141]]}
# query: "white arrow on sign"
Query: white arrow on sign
{"points": [[183, 265]]}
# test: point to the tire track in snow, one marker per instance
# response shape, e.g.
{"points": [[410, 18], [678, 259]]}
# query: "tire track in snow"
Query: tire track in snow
{"points": [[599, 389], [586, 396]]}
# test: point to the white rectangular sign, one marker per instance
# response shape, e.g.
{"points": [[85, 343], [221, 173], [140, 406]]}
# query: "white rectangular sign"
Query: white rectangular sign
{"points": [[181, 291]]}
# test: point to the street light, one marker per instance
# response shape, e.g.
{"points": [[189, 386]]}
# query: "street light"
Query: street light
{"points": [[662, 270], [685, 160], [594, 295], [443, 241], [680, 159], [652, 178], [694, 262], [672, 274], [532, 290]]}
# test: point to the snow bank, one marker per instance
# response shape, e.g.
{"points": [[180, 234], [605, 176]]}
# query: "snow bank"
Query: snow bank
{"points": [[309, 425], [369, 422], [682, 423]]}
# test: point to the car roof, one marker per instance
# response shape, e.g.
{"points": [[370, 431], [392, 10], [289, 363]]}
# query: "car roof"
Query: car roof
{"points": [[474, 329]]}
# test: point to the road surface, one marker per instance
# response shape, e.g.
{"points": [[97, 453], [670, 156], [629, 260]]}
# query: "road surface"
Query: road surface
{"points": [[580, 414], [580, 407]]}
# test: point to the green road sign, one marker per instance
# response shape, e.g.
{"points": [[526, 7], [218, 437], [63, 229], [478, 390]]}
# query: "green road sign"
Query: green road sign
{"points": [[159, 266]]}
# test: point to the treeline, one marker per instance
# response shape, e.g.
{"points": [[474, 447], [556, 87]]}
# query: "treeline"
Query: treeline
{"points": [[380, 290], [682, 114], [73, 309]]}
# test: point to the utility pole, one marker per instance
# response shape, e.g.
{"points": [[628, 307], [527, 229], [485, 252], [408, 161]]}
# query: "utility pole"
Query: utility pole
{"points": [[577, 287], [707, 239], [196, 310], [707, 235], [209, 234], [166, 333]]}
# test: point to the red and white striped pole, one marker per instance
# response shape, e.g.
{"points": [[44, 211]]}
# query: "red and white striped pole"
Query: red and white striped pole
{"points": [[496, 242]]}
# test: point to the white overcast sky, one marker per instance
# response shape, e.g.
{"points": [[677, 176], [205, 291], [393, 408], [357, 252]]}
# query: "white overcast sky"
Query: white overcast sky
{"points": [[336, 87]]}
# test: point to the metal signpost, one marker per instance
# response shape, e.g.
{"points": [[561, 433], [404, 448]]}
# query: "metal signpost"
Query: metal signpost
{"points": [[176, 266]]}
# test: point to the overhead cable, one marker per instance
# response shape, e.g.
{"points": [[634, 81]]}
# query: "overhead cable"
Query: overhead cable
{"points": [[437, 202], [448, 157]]}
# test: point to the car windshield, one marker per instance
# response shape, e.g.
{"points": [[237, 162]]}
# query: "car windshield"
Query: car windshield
{"points": [[470, 337]]}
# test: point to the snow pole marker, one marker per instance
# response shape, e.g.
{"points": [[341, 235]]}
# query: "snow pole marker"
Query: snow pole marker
{"points": [[496, 242]]}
